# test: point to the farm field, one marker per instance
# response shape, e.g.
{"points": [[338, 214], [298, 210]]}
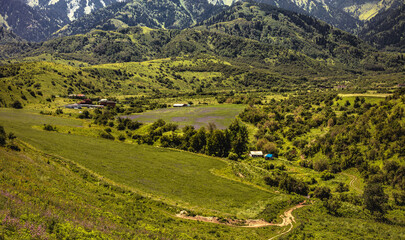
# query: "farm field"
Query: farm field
{"points": [[197, 116], [172, 176], [61, 201]]}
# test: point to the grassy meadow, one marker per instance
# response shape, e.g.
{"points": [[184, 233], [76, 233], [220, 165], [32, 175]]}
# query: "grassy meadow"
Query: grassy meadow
{"points": [[45, 197], [197, 116], [172, 176]]}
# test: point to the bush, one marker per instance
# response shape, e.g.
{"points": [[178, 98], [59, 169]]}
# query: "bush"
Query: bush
{"points": [[326, 175], [233, 156], [269, 166], [332, 206], [14, 147], [121, 137], [16, 104], [85, 115], [322, 193], [107, 135], [59, 111], [49, 127], [321, 165], [342, 188], [3, 136]]}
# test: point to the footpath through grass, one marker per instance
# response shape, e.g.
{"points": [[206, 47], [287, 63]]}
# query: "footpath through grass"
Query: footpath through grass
{"points": [[173, 176]]}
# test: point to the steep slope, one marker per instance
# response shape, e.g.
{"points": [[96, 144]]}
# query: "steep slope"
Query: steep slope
{"points": [[11, 44], [387, 30], [283, 28], [319, 9], [28, 23], [70, 9], [7, 36], [150, 13], [364, 10]]}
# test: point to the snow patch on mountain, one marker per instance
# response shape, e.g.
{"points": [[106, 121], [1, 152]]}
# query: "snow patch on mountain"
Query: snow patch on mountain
{"points": [[229, 2], [53, 2], [218, 2], [89, 7], [73, 6], [33, 3]]}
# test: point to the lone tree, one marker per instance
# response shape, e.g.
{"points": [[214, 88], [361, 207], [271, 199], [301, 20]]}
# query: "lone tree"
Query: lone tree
{"points": [[375, 199]]}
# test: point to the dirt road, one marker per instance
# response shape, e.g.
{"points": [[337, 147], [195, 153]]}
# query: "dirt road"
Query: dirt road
{"points": [[287, 217]]}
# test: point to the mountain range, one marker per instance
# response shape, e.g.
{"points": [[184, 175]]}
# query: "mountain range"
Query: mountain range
{"points": [[38, 20], [151, 13], [246, 32]]}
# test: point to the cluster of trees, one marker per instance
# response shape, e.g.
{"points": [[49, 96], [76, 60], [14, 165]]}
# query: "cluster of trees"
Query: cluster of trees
{"points": [[231, 142], [287, 183]]}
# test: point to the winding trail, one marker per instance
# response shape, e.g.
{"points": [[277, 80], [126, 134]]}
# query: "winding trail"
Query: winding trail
{"points": [[287, 217], [353, 179]]}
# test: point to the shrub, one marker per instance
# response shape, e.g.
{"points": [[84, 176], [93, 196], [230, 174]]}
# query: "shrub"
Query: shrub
{"points": [[14, 147], [107, 135], [342, 188], [233, 156], [321, 165], [375, 199], [332, 206], [85, 115], [326, 175], [121, 137], [322, 193], [16, 104], [59, 111], [2, 136], [49, 127]]}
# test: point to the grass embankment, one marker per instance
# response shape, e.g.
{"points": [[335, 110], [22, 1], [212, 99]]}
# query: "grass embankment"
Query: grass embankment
{"points": [[172, 176]]}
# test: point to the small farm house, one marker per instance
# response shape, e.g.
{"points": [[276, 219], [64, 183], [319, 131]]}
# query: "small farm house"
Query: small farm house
{"points": [[256, 154], [181, 105]]}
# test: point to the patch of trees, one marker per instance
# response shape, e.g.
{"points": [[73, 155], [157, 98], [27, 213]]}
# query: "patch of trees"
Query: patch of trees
{"points": [[8, 140], [287, 183], [231, 142]]}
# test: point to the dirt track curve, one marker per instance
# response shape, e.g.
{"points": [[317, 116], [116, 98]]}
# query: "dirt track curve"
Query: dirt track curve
{"points": [[287, 217], [353, 179]]}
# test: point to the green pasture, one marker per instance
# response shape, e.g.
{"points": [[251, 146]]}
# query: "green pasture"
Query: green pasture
{"points": [[198, 116], [71, 204], [369, 98], [172, 176]]}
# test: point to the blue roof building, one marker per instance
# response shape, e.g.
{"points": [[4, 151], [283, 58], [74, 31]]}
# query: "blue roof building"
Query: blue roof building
{"points": [[268, 156]]}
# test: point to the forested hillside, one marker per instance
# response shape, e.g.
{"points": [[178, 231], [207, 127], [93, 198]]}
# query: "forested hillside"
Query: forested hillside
{"points": [[154, 14], [26, 22], [387, 30]]}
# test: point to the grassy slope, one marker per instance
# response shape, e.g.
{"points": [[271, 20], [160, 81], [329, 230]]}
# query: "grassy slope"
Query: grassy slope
{"points": [[48, 198], [221, 115], [313, 221], [353, 224], [174, 176]]}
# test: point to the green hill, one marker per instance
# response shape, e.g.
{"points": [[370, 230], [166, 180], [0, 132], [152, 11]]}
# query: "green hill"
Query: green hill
{"points": [[386, 30]]}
